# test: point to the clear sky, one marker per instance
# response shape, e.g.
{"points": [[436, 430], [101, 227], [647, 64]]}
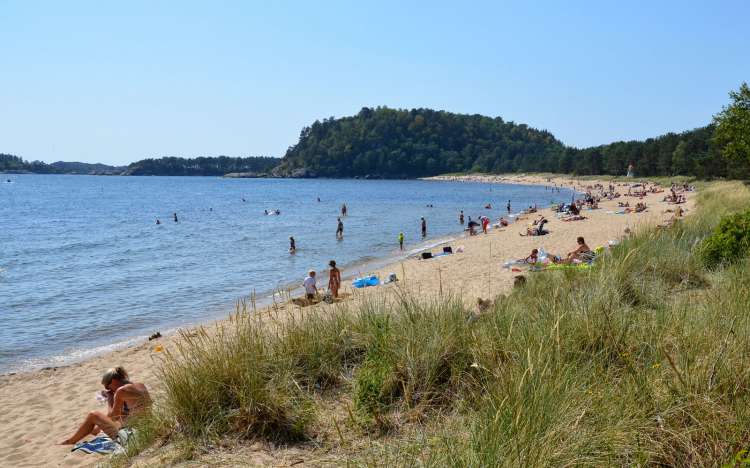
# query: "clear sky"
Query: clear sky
{"points": [[115, 82]]}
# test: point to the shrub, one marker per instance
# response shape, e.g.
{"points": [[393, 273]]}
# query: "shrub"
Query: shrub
{"points": [[729, 242]]}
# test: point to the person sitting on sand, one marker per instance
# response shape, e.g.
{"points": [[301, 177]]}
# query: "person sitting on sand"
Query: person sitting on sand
{"points": [[309, 283], [579, 253], [124, 399], [503, 222], [334, 279], [533, 257]]}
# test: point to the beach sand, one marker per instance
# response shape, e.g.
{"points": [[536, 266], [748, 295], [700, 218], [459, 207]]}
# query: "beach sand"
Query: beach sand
{"points": [[42, 408]]}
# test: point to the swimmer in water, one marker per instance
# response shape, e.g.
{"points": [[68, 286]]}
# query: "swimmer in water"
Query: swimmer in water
{"points": [[292, 245], [175, 217], [157, 221], [340, 230], [401, 241]]}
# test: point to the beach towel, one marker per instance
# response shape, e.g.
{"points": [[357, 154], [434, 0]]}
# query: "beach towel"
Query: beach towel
{"points": [[104, 445]]}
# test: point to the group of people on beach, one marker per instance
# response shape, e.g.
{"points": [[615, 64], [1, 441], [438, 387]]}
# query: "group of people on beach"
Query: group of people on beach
{"points": [[334, 282]]}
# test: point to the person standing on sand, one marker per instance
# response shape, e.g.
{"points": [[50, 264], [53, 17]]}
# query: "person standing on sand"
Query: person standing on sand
{"points": [[401, 241], [424, 227], [309, 283], [124, 399], [334, 279], [340, 229]]}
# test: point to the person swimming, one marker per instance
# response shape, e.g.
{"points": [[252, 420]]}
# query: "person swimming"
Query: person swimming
{"points": [[339, 229], [292, 245]]}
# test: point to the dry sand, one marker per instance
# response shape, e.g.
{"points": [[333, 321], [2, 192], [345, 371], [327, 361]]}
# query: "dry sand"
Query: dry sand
{"points": [[41, 408]]}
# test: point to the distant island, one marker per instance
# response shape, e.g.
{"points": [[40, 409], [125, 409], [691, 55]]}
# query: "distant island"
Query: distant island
{"points": [[257, 166], [398, 144]]}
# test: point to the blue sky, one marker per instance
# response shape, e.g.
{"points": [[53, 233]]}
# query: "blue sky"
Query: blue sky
{"points": [[115, 82]]}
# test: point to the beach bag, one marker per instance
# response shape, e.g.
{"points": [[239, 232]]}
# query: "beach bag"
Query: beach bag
{"points": [[426, 255]]}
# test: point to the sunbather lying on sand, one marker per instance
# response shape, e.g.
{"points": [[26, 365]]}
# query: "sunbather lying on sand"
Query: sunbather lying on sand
{"points": [[537, 228], [124, 399]]}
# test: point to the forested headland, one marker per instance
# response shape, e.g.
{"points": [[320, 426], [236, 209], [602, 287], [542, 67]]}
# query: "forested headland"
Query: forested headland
{"points": [[398, 143]]}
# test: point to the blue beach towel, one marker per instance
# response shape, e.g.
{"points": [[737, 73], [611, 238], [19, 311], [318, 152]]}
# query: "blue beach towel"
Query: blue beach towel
{"points": [[102, 445]]}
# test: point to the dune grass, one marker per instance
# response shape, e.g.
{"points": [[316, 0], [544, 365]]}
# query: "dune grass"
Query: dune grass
{"points": [[644, 359]]}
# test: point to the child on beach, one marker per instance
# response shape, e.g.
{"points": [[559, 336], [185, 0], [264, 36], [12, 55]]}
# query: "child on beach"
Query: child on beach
{"points": [[309, 283]]}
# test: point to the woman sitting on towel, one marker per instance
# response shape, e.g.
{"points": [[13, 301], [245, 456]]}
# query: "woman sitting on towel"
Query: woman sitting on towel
{"points": [[124, 398], [579, 253], [533, 258]]}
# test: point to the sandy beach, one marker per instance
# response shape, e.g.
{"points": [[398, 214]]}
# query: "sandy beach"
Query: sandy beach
{"points": [[42, 408]]}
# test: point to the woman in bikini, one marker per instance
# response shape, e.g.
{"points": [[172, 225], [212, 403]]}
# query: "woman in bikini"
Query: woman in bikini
{"points": [[124, 399], [334, 279]]}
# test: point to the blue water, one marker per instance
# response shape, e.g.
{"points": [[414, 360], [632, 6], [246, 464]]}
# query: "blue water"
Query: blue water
{"points": [[84, 267]]}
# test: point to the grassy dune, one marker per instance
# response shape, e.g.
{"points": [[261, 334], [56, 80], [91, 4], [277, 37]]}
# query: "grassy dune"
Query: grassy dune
{"points": [[644, 359]]}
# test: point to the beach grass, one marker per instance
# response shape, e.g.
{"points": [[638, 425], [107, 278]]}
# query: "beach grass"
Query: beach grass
{"points": [[643, 359]]}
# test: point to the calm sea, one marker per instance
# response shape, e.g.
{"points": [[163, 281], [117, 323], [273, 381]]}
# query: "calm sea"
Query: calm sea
{"points": [[84, 267]]}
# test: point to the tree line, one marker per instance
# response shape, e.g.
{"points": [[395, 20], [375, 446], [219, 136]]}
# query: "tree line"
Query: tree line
{"points": [[166, 166], [202, 166], [399, 143]]}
